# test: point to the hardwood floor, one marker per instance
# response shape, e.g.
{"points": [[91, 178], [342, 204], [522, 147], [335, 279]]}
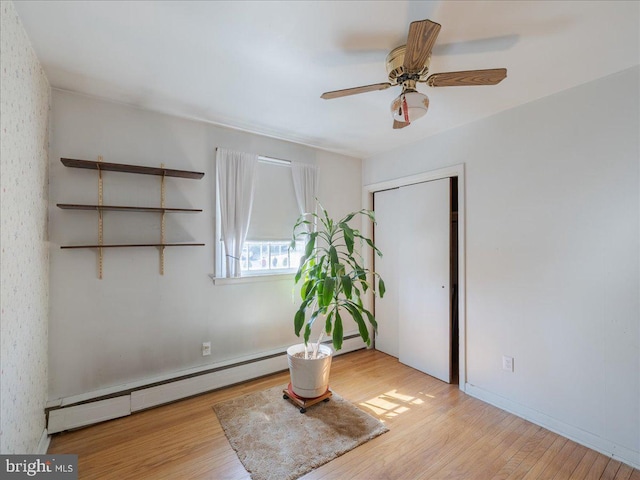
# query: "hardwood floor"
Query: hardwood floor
{"points": [[436, 432]]}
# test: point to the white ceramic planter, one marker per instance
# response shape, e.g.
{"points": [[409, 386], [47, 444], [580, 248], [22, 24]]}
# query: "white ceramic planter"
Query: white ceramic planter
{"points": [[309, 377]]}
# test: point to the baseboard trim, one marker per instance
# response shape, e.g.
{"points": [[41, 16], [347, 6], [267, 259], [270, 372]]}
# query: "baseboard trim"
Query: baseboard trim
{"points": [[170, 392], [85, 414], [599, 444], [121, 403], [43, 444]]}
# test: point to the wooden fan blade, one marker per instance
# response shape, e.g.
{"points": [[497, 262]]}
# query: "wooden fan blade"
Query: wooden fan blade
{"points": [[354, 91], [397, 124], [492, 76], [422, 36]]}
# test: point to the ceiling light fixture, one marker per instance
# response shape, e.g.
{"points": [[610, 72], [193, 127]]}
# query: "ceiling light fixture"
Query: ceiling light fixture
{"points": [[409, 106]]}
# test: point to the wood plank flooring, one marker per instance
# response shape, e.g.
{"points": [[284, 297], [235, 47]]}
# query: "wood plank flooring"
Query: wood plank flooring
{"points": [[436, 432]]}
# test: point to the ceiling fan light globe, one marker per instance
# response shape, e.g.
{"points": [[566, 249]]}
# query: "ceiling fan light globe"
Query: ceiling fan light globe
{"points": [[415, 103]]}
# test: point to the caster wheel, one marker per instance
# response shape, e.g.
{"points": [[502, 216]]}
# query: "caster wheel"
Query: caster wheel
{"points": [[285, 397], [325, 400], [303, 410]]}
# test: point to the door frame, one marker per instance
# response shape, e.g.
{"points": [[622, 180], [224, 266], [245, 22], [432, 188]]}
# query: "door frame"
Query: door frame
{"points": [[367, 229]]}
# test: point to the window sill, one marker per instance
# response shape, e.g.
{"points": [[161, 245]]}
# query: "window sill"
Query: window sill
{"points": [[272, 277]]}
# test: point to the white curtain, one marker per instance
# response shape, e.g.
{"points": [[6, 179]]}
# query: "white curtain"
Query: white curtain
{"points": [[305, 183], [235, 174]]}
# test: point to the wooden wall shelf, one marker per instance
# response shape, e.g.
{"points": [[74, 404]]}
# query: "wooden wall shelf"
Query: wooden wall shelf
{"points": [[121, 167], [162, 172], [135, 245], [122, 208]]}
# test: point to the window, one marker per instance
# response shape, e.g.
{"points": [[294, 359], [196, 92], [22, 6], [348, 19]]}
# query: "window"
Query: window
{"points": [[270, 257], [273, 215]]}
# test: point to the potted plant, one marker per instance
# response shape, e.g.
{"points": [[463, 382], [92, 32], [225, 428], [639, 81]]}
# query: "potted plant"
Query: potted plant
{"points": [[333, 282]]}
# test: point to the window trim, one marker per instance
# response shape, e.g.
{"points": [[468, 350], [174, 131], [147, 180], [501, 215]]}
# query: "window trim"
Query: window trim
{"points": [[270, 277]]}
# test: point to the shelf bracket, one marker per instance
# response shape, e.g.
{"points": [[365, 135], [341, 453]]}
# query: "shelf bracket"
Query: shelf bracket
{"points": [[100, 220]]}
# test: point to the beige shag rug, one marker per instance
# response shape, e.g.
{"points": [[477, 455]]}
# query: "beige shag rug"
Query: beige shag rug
{"points": [[274, 441]]}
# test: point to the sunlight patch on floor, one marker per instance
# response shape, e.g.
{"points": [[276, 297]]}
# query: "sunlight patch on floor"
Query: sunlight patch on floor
{"points": [[392, 403]]}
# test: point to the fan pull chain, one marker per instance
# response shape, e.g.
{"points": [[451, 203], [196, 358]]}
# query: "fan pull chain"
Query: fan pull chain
{"points": [[406, 110]]}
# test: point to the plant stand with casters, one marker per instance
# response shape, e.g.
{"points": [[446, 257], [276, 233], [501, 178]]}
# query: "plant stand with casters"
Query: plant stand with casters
{"points": [[303, 403]]}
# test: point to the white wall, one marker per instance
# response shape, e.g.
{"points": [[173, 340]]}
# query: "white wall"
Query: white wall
{"points": [[24, 276], [552, 205], [135, 325]]}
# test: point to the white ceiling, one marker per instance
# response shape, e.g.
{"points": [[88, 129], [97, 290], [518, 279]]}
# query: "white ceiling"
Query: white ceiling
{"points": [[261, 66]]}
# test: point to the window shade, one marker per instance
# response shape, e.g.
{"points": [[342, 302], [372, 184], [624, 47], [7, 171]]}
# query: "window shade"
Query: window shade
{"points": [[275, 210]]}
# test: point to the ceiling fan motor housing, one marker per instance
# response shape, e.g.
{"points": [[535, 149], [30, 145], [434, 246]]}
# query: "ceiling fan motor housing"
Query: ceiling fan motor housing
{"points": [[396, 71]]}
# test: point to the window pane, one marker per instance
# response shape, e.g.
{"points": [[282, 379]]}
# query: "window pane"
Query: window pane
{"points": [[255, 255], [296, 255], [279, 256]]}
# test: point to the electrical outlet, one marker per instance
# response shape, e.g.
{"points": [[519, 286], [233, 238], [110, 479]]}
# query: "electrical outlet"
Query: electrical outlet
{"points": [[507, 363], [206, 348]]}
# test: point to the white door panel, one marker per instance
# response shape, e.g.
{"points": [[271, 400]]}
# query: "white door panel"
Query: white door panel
{"points": [[413, 234], [423, 334], [386, 205]]}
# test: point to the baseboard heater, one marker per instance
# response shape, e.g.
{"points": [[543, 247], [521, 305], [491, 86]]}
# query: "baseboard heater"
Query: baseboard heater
{"points": [[126, 402]]}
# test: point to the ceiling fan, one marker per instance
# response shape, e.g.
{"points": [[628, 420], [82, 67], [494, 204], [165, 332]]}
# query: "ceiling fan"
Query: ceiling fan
{"points": [[408, 65]]}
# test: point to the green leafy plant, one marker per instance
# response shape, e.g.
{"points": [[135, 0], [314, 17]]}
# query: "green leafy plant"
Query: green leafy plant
{"points": [[333, 277]]}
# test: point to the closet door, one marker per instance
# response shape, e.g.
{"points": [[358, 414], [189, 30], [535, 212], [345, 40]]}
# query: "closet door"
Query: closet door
{"points": [[414, 228], [386, 236], [423, 269]]}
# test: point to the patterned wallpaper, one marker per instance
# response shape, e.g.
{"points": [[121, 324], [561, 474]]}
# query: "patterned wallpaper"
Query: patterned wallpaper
{"points": [[24, 258]]}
